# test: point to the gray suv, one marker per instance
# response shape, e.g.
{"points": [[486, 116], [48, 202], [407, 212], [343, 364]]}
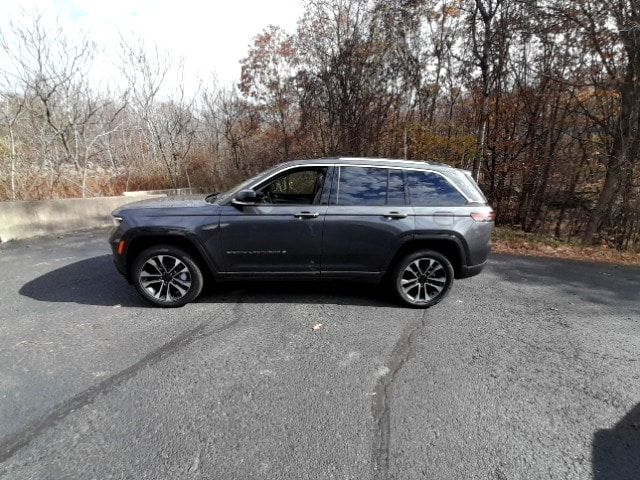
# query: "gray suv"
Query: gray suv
{"points": [[414, 225]]}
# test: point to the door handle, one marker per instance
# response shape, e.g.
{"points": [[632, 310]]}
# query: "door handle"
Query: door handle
{"points": [[395, 215], [306, 215]]}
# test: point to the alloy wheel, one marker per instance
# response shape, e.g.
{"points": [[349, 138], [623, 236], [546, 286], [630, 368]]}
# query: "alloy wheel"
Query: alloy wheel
{"points": [[423, 280], [166, 278]]}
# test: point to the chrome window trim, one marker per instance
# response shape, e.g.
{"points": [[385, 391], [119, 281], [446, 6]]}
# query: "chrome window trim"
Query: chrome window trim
{"points": [[287, 168], [283, 170], [337, 187], [426, 169], [340, 165]]}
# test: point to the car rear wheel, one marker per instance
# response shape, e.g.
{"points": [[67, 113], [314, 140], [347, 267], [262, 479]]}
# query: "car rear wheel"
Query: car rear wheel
{"points": [[422, 278], [167, 276]]}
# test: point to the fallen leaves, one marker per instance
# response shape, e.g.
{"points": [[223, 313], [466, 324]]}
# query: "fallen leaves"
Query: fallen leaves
{"points": [[520, 243]]}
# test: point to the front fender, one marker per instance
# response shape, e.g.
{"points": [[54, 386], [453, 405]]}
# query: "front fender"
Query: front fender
{"points": [[139, 238]]}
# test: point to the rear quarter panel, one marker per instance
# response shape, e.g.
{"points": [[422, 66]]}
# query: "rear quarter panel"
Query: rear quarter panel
{"points": [[457, 220]]}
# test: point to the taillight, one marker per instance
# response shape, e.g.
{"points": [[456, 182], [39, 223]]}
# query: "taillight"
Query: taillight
{"points": [[484, 216]]}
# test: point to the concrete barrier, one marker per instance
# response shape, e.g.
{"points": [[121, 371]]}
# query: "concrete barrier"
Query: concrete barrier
{"points": [[32, 218], [172, 192]]}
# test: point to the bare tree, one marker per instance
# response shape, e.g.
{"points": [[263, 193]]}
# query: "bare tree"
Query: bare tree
{"points": [[488, 23], [169, 122], [540, 99]]}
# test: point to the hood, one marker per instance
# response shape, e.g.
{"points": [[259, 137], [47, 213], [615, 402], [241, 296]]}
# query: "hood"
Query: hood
{"points": [[165, 203]]}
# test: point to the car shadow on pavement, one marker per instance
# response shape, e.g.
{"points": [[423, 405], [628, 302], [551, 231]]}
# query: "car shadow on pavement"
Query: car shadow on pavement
{"points": [[616, 451], [597, 283], [311, 292], [95, 281]]}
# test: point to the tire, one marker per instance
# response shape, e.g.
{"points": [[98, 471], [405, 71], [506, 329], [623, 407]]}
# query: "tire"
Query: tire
{"points": [[166, 276], [433, 274]]}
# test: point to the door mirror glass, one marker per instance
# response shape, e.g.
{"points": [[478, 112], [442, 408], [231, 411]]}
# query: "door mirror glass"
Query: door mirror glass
{"points": [[246, 197]]}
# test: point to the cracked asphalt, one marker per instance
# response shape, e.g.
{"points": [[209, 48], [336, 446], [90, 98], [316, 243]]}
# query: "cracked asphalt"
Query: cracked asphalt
{"points": [[530, 370]]}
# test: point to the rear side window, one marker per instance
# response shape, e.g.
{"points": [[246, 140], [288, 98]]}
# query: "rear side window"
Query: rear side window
{"points": [[362, 186], [464, 180], [395, 190], [430, 189], [369, 186]]}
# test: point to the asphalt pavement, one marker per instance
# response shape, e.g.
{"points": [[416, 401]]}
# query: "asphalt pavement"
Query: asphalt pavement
{"points": [[529, 370]]}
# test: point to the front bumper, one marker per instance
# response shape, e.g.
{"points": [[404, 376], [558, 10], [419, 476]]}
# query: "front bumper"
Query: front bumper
{"points": [[118, 260]]}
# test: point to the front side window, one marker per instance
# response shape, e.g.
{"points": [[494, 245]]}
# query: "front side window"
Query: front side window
{"points": [[370, 186], [428, 189], [299, 187]]}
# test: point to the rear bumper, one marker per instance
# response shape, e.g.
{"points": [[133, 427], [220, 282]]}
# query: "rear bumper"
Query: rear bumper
{"points": [[467, 271]]}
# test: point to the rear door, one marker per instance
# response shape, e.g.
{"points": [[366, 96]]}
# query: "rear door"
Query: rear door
{"points": [[368, 213]]}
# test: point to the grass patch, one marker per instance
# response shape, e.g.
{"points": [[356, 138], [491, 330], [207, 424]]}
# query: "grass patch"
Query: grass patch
{"points": [[517, 242]]}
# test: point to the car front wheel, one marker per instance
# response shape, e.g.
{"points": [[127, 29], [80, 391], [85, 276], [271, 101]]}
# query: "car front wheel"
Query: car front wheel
{"points": [[422, 278], [167, 276]]}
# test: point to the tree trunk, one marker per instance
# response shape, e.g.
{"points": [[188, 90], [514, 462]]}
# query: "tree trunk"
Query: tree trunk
{"points": [[626, 136], [13, 162]]}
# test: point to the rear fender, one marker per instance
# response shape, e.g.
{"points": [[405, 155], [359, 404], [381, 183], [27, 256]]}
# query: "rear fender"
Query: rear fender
{"points": [[456, 246]]}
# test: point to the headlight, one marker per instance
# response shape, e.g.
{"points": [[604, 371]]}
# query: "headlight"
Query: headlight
{"points": [[117, 220]]}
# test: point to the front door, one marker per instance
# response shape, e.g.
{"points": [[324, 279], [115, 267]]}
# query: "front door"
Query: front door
{"points": [[282, 233]]}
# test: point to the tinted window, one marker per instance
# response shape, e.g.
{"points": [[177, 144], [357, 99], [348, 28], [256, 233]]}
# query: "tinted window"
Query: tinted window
{"points": [[395, 192], [427, 189], [362, 186]]}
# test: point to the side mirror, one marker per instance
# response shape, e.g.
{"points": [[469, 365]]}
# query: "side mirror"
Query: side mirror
{"points": [[245, 198]]}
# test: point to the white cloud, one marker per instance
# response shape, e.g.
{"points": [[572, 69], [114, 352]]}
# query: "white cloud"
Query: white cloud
{"points": [[212, 36]]}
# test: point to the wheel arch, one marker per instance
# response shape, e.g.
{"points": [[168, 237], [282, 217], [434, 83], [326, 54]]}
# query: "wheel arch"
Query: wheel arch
{"points": [[448, 244], [140, 241]]}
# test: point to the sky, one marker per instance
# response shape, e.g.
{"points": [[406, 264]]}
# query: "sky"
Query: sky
{"points": [[211, 36]]}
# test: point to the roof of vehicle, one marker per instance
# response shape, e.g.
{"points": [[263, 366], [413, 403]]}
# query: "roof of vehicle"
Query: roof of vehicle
{"points": [[383, 162]]}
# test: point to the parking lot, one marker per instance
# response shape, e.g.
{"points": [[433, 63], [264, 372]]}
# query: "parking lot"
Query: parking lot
{"points": [[530, 370]]}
